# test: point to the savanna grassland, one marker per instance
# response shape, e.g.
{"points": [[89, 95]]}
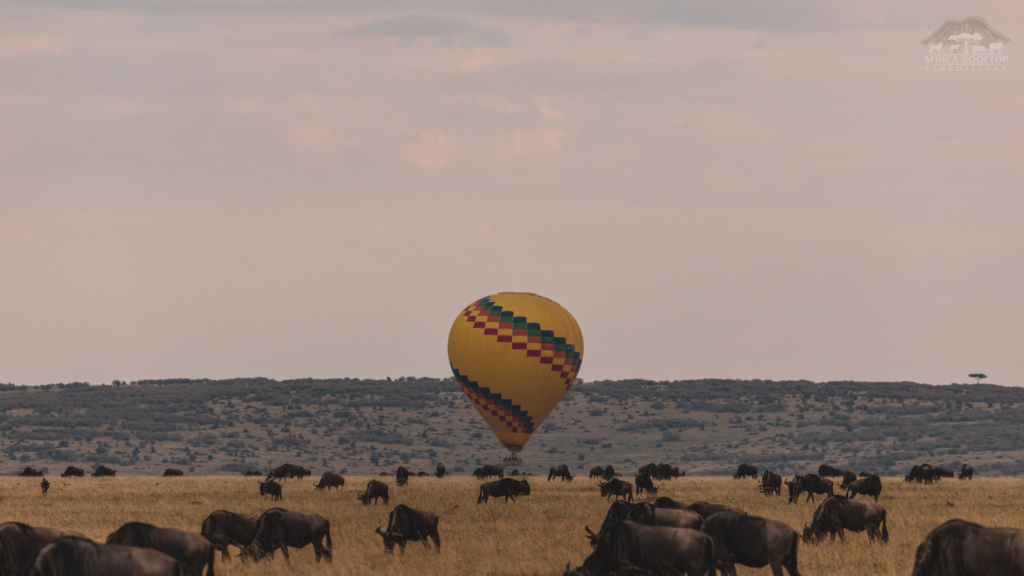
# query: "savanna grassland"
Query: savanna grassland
{"points": [[538, 534]]}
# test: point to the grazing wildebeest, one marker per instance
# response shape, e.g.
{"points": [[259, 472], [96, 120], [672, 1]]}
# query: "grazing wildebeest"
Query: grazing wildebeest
{"points": [[103, 471], [848, 477], [828, 470], [771, 483], [597, 472], [19, 542], [812, 484], [752, 541], [330, 480], [921, 473], [278, 473], [661, 471], [795, 490], [488, 471], [374, 489], [30, 472], [609, 472], [270, 488], [870, 486], [944, 473], [866, 474], [706, 510], [223, 528], [189, 548], [838, 513], [72, 556], [279, 529], [744, 470], [666, 502], [422, 474], [507, 487], [560, 471], [402, 476], [628, 547], [410, 525], [45, 486], [646, 514], [966, 472], [644, 483], [961, 548], [617, 488], [439, 472], [253, 473], [173, 472], [72, 471]]}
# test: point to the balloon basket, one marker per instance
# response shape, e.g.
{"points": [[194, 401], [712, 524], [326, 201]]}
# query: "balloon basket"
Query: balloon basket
{"points": [[512, 460]]}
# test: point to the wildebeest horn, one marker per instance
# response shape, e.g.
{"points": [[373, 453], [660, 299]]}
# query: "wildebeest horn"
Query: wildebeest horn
{"points": [[381, 533], [591, 532]]}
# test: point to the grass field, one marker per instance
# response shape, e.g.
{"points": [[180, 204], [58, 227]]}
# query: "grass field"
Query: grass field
{"points": [[538, 534]]}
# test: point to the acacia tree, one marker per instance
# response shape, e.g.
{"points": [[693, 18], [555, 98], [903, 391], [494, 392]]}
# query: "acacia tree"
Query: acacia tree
{"points": [[977, 377]]}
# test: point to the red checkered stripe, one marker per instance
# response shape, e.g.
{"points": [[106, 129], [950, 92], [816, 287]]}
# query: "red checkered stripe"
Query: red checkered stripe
{"points": [[514, 423]]}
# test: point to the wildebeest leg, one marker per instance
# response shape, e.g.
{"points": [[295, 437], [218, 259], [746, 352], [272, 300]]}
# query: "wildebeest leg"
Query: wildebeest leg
{"points": [[728, 567], [437, 540]]}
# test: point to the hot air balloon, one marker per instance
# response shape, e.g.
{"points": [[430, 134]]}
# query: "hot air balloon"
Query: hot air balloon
{"points": [[515, 355]]}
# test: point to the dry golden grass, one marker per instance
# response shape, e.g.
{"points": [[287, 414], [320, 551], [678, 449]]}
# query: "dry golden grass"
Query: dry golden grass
{"points": [[536, 535]]}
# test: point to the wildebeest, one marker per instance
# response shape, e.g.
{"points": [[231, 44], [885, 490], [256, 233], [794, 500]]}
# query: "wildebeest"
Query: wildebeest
{"points": [[253, 473], [330, 480], [921, 473], [617, 488], [866, 474], [402, 476], [706, 510], [285, 471], [838, 513], [828, 470], [507, 487], [661, 471], [744, 470], [45, 486], [752, 541], [72, 471], [628, 547], [173, 472], [812, 484], [19, 542], [609, 472], [410, 525], [666, 502], [223, 528], [192, 550], [870, 486], [439, 472], [966, 472], [279, 529], [72, 556], [270, 488], [421, 474], [848, 477], [961, 548], [597, 472], [647, 514], [374, 489], [560, 471], [488, 471], [30, 472], [644, 484], [944, 473], [795, 490], [771, 483], [103, 471]]}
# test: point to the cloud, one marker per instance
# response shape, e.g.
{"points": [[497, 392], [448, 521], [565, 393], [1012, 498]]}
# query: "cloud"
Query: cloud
{"points": [[447, 30], [14, 47]]}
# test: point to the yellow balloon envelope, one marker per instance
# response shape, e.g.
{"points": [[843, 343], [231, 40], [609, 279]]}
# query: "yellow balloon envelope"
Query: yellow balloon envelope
{"points": [[515, 355]]}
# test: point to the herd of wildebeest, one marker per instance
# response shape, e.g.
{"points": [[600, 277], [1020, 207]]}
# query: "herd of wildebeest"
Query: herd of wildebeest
{"points": [[658, 536]]}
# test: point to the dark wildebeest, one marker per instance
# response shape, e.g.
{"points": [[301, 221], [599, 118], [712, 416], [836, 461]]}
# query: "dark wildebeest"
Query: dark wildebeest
{"points": [[422, 474], [928, 474], [289, 471], [402, 476], [771, 483], [812, 484], [330, 480], [374, 489], [279, 473], [192, 550], [103, 471], [944, 473], [666, 502], [223, 528], [439, 472], [279, 529], [848, 477], [71, 556], [609, 472], [645, 484], [646, 514], [560, 471], [870, 486], [961, 548], [795, 490], [45, 486], [752, 541], [72, 471], [865, 474], [19, 542], [617, 488], [253, 473], [173, 472], [30, 472], [706, 510], [838, 513], [597, 472], [966, 472], [744, 470], [410, 525], [488, 471], [828, 470], [270, 488], [507, 487], [628, 547]]}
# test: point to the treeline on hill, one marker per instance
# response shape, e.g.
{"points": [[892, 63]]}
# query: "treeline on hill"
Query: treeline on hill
{"points": [[364, 426]]}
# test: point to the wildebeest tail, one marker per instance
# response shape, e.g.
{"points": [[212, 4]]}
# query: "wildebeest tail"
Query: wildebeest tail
{"points": [[709, 556], [330, 546], [210, 559], [885, 529]]}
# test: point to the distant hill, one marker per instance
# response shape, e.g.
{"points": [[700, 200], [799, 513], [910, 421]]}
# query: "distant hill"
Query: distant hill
{"points": [[368, 426]]}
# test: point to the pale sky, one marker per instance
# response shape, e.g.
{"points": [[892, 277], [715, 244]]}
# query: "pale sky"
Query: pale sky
{"points": [[774, 190]]}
